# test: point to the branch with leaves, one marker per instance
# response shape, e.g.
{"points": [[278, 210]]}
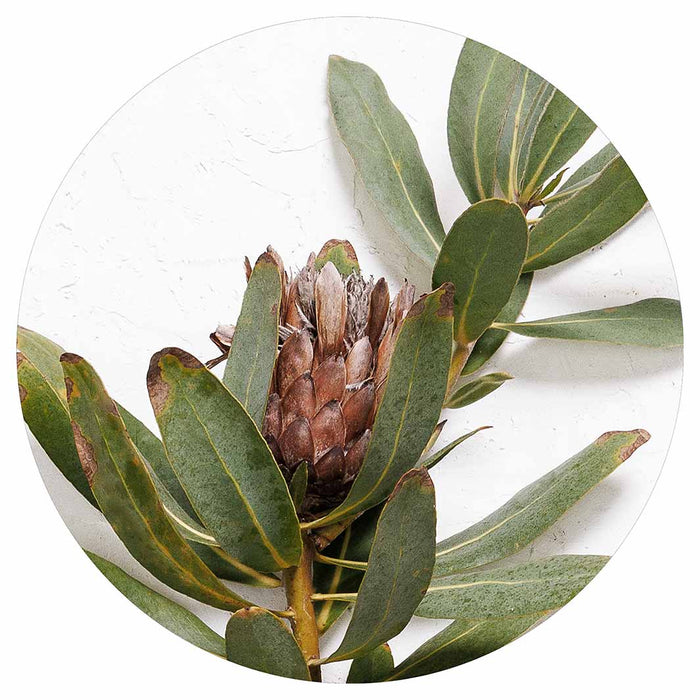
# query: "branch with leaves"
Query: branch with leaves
{"points": [[308, 465]]}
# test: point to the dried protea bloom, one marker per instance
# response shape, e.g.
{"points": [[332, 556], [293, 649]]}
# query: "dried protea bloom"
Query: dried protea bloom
{"points": [[337, 334]]}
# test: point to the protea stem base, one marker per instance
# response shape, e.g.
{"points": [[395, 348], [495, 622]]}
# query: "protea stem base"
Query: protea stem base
{"points": [[298, 582]]}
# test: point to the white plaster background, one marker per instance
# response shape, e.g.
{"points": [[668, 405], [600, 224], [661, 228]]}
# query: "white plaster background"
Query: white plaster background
{"points": [[142, 247]]}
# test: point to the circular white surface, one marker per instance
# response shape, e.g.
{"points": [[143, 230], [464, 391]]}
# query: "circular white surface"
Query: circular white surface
{"points": [[142, 247]]}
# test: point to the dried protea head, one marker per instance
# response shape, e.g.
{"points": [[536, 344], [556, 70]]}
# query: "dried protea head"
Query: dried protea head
{"points": [[337, 334]]}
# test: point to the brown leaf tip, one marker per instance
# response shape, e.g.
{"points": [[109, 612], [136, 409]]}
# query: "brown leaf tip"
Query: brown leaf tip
{"points": [[420, 475], [71, 358], [86, 453], [338, 242], [626, 451], [158, 390]]}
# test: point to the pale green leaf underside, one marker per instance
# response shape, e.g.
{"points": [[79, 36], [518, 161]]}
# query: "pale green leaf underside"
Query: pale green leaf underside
{"points": [[653, 322], [535, 587], [533, 509], [461, 642]]}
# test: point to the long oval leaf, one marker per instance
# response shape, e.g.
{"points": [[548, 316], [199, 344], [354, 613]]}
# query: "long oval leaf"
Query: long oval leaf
{"points": [[432, 460], [535, 587], [482, 256], [257, 639], [493, 338], [655, 322], [461, 642], [153, 452], [558, 134], [481, 92], [223, 463], [476, 389], [164, 611], [180, 510], [586, 218], [529, 87], [533, 509], [251, 359], [410, 407], [125, 492], [44, 406], [373, 667], [399, 567], [386, 155], [584, 175]]}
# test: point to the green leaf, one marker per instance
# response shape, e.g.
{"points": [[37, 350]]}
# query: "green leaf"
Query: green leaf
{"points": [[152, 450], [410, 407], [461, 642], [341, 254], [399, 567], [297, 485], [535, 587], [372, 667], [586, 218], [44, 406], [476, 389], [533, 509], [251, 359], [493, 338], [558, 134], [122, 486], [652, 322], [482, 256], [482, 89], [257, 639], [552, 184], [430, 461], [223, 463], [585, 174], [355, 545], [202, 542], [386, 155], [529, 88], [164, 611]]}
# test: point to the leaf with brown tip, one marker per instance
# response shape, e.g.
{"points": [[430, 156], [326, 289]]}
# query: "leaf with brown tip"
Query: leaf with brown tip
{"points": [[223, 463], [341, 254], [120, 481]]}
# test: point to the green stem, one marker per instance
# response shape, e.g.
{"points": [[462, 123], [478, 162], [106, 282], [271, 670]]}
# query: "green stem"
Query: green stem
{"points": [[345, 597], [298, 581], [345, 563]]}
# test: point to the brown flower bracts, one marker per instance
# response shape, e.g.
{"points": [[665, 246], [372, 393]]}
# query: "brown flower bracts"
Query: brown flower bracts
{"points": [[337, 334]]}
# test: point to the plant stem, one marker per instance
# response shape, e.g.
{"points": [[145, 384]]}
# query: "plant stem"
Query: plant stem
{"points": [[345, 563], [298, 581]]}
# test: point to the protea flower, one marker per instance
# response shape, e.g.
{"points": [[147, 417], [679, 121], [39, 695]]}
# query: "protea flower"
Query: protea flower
{"points": [[337, 333]]}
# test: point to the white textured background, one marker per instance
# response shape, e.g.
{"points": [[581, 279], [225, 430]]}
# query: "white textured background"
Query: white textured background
{"points": [[233, 149]]}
